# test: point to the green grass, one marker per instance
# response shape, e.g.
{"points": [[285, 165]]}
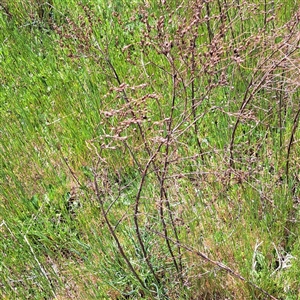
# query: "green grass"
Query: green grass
{"points": [[149, 150]]}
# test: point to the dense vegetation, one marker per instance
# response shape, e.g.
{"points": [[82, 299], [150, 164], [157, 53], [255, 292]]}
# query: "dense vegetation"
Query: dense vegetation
{"points": [[149, 149]]}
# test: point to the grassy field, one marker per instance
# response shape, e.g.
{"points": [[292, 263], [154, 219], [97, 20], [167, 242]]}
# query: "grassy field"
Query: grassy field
{"points": [[149, 149]]}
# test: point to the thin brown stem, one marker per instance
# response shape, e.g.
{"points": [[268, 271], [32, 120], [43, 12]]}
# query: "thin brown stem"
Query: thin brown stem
{"points": [[295, 126], [113, 234], [218, 264]]}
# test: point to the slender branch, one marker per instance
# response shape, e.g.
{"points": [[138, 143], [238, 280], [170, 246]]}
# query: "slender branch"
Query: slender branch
{"points": [[256, 86], [41, 267], [136, 211], [295, 125], [194, 106], [164, 172], [210, 33], [147, 148], [112, 232], [218, 264]]}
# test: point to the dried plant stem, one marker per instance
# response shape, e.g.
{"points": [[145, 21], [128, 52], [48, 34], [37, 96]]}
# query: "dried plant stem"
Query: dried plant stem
{"points": [[136, 211], [163, 193], [295, 126], [210, 33], [218, 264], [194, 106], [41, 267], [152, 161], [255, 84], [113, 234]]}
